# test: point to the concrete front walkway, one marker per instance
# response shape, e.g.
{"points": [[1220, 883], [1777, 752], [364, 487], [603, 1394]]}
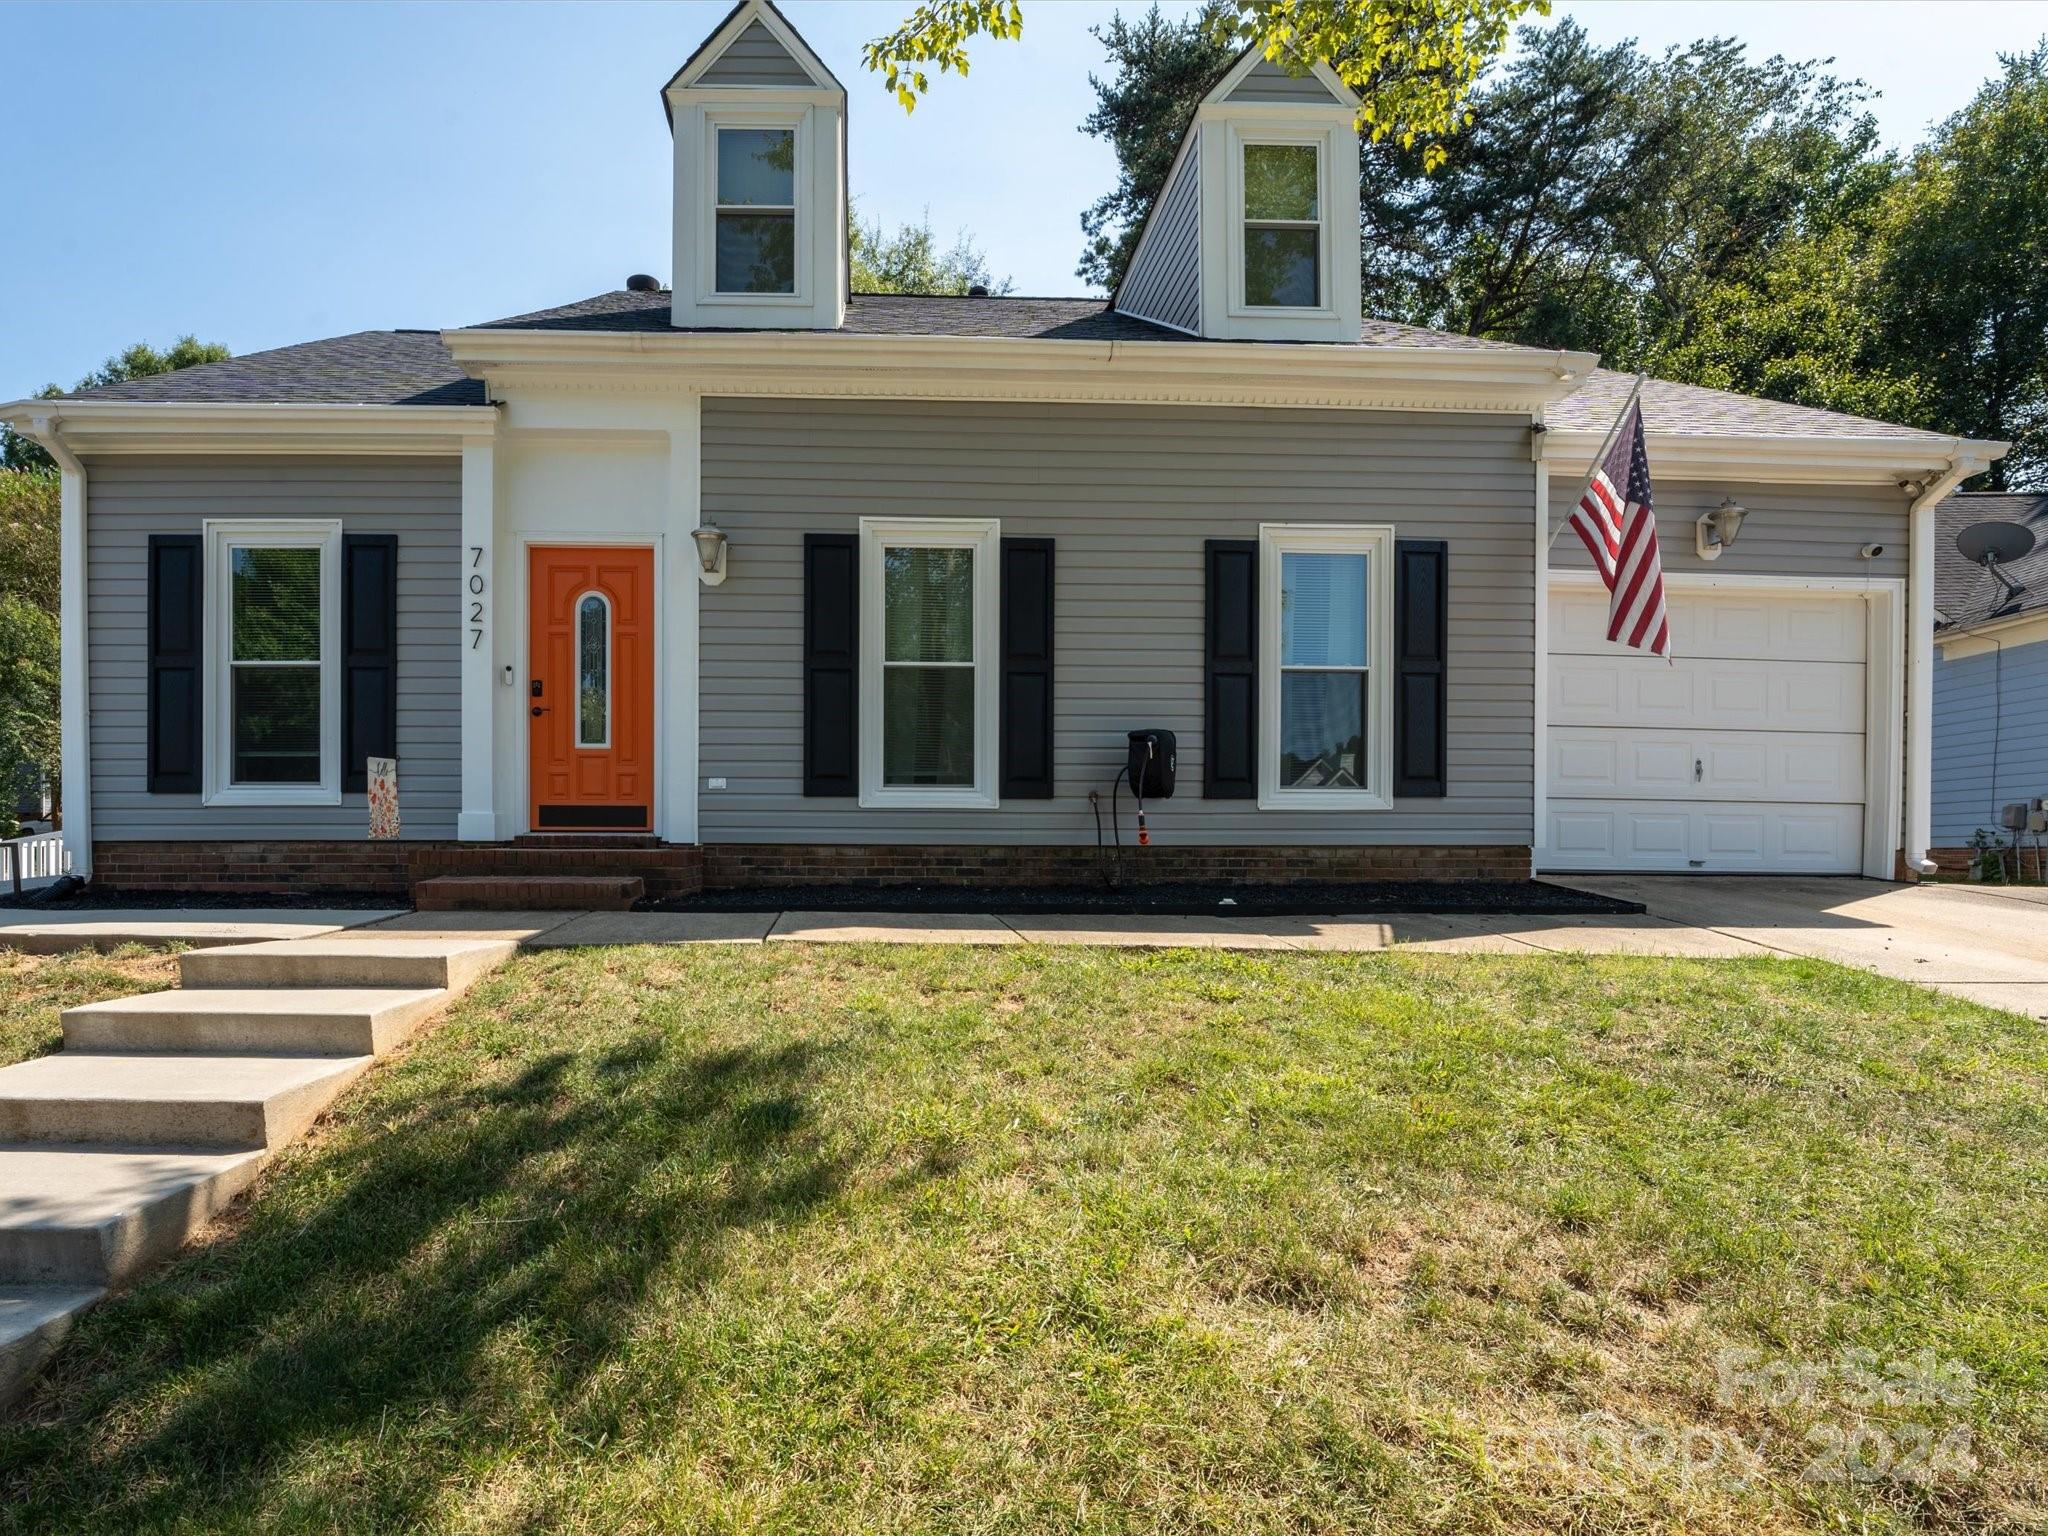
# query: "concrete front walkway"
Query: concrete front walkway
{"points": [[1988, 944]]}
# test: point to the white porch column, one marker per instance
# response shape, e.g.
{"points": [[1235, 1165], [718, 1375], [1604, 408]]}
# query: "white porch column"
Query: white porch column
{"points": [[478, 822], [677, 677], [1920, 653], [1539, 833], [74, 677]]}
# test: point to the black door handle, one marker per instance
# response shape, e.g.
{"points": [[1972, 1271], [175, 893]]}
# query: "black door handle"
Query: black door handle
{"points": [[540, 709]]}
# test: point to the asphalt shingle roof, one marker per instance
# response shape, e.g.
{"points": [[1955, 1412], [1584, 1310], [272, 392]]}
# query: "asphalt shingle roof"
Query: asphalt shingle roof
{"points": [[1965, 593], [366, 368], [902, 314], [414, 368], [1698, 412]]}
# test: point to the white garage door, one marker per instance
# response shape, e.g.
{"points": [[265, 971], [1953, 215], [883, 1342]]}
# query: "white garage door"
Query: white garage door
{"points": [[1747, 753]]}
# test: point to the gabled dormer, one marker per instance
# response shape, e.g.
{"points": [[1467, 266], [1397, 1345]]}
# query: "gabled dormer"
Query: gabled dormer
{"points": [[1255, 234], [759, 125]]}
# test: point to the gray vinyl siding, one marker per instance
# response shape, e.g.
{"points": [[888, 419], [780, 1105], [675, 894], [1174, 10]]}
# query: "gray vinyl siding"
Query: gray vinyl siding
{"points": [[1972, 731], [755, 58], [418, 499], [1269, 82], [1791, 530], [1165, 281], [1128, 494]]}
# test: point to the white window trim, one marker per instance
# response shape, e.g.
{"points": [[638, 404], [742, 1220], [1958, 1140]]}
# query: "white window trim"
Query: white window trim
{"points": [[1241, 140], [1376, 541], [794, 120], [223, 536], [984, 537], [576, 646]]}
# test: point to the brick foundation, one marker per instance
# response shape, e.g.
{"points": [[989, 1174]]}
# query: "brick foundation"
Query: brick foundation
{"points": [[255, 869], [742, 864], [389, 869]]}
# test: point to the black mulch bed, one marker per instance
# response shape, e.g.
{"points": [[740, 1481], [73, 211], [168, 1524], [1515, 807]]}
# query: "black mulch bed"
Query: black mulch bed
{"points": [[92, 898], [1521, 898]]}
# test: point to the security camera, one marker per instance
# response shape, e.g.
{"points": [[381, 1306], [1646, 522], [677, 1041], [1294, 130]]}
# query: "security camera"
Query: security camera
{"points": [[1871, 551]]}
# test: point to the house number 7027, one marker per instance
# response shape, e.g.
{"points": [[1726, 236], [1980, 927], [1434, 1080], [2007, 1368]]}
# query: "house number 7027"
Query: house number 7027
{"points": [[477, 584]]}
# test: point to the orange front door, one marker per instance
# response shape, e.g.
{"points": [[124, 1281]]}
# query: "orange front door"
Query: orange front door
{"points": [[590, 695]]}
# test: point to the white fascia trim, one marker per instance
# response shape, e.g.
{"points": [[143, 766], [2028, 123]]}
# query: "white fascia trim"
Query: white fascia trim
{"points": [[1776, 458], [1033, 368], [166, 426], [2000, 634]]}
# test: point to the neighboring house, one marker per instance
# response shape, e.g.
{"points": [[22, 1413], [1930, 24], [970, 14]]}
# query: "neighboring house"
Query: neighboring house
{"points": [[809, 584], [1990, 674]]}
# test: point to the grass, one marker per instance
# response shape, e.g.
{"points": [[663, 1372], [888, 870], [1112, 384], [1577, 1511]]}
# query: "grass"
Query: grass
{"points": [[36, 989], [944, 1239]]}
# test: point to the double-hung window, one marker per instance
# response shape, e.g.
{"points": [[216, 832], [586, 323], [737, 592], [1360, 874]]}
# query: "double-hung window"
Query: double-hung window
{"points": [[273, 640], [1283, 226], [1326, 697], [755, 210], [928, 661]]}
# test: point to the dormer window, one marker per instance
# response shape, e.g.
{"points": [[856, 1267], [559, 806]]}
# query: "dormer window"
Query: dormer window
{"points": [[756, 210], [1283, 226]]}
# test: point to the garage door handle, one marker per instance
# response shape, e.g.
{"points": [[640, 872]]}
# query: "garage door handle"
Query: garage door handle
{"points": [[1698, 770]]}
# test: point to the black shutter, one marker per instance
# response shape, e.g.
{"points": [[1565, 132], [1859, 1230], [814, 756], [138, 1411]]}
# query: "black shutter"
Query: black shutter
{"points": [[177, 688], [831, 664], [1027, 669], [1421, 604], [369, 654], [1230, 746]]}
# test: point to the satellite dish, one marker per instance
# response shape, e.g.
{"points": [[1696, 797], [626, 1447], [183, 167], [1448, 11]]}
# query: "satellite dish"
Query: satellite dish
{"points": [[1989, 544]]}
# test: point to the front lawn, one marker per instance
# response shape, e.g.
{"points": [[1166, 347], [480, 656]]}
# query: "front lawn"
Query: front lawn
{"points": [[36, 989], [948, 1239]]}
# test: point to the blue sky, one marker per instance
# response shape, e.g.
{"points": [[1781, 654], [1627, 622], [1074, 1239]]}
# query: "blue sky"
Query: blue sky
{"points": [[262, 174]]}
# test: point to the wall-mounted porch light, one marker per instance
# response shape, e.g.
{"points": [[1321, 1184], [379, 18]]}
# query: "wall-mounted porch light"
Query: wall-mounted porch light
{"points": [[1716, 530], [711, 546]]}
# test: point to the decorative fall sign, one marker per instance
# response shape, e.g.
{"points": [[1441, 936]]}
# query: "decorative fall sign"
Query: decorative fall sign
{"points": [[383, 776]]}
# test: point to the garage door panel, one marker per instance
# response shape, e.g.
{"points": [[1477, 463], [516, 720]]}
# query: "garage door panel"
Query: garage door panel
{"points": [[1680, 836], [1596, 763], [1747, 754], [1720, 624], [1632, 691]]}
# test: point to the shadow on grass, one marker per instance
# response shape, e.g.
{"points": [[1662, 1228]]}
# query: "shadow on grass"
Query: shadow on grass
{"points": [[483, 1247]]}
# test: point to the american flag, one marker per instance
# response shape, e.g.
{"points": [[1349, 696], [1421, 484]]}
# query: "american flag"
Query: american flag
{"points": [[1614, 521]]}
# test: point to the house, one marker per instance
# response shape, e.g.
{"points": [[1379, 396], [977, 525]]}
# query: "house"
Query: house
{"points": [[767, 581], [1990, 671]]}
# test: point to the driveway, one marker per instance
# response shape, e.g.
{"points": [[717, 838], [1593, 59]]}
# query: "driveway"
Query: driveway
{"points": [[1985, 943]]}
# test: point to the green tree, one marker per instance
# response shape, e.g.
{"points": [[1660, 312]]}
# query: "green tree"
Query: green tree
{"points": [[1410, 61], [1163, 70], [139, 361], [910, 261], [1965, 276], [28, 704], [28, 535]]}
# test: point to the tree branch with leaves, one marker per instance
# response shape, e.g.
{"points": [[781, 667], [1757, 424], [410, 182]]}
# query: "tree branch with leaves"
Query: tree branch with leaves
{"points": [[1412, 62]]}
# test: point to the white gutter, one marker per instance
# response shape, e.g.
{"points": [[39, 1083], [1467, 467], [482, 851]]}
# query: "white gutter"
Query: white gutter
{"points": [[1920, 650], [74, 661]]}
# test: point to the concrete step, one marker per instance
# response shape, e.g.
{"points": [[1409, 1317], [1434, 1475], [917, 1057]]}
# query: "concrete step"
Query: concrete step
{"points": [[93, 1215], [365, 960], [169, 1101], [306, 1021], [528, 893], [33, 1322]]}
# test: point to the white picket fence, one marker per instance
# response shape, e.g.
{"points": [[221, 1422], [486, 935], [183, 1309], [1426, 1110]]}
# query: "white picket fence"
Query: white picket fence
{"points": [[27, 863]]}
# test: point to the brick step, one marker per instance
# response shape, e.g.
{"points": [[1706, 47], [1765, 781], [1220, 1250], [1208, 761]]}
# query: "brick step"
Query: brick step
{"points": [[528, 893]]}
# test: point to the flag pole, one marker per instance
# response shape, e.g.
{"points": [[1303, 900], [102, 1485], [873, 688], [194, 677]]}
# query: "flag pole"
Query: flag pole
{"points": [[1600, 454]]}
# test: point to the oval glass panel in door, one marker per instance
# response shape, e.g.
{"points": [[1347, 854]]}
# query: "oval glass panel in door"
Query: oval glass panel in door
{"points": [[593, 671]]}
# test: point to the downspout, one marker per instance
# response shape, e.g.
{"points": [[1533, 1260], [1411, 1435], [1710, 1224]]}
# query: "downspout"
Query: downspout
{"points": [[1920, 659], [73, 713]]}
